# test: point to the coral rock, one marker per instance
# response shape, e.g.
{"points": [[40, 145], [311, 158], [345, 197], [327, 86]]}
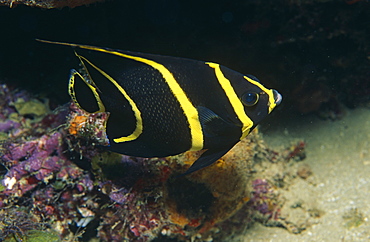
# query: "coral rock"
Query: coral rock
{"points": [[48, 3]]}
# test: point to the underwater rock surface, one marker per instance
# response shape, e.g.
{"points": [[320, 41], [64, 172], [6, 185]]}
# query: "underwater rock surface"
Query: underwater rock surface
{"points": [[48, 3], [57, 169]]}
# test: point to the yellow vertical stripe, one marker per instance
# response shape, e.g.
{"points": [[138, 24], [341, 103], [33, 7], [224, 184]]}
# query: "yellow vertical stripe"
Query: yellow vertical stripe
{"points": [[189, 110], [233, 99], [269, 92]]}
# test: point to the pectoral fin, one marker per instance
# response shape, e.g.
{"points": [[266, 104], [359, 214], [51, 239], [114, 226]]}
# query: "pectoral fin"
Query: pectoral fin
{"points": [[212, 124]]}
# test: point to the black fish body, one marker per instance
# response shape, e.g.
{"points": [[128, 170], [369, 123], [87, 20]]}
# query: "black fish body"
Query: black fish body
{"points": [[161, 106]]}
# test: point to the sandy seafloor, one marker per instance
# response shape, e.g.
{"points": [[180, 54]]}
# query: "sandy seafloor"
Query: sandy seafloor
{"points": [[339, 155]]}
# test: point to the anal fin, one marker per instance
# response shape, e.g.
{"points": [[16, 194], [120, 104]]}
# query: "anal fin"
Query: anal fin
{"points": [[206, 159]]}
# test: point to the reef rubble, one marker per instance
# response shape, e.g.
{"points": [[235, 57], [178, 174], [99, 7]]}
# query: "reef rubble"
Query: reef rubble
{"points": [[55, 167]]}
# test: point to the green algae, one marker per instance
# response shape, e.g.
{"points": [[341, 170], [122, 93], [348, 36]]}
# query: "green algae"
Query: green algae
{"points": [[353, 218], [31, 107], [34, 236]]}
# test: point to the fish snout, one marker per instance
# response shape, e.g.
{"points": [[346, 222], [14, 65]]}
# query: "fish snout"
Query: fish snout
{"points": [[278, 97]]}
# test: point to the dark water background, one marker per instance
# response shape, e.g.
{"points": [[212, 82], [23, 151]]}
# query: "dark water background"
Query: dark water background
{"points": [[316, 53]]}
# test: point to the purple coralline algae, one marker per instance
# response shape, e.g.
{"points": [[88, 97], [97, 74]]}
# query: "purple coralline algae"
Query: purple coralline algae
{"points": [[58, 170], [264, 199]]}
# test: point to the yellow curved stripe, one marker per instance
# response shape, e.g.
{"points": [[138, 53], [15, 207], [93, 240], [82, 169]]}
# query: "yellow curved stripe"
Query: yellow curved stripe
{"points": [[233, 99], [190, 111], [72, 94], [139, 122], [269, 92]]}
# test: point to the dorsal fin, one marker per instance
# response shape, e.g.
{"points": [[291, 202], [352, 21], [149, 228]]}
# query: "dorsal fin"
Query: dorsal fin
{"points": [[84, 94]]}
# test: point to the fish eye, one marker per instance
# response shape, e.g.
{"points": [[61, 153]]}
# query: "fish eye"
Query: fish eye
{"points": [[250, 98]]}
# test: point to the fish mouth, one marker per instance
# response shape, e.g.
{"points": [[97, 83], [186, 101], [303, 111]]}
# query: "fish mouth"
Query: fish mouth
{"points": [[277, 96]]}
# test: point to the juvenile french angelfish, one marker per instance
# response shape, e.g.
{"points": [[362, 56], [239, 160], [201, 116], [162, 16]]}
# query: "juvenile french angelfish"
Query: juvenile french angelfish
{"points": [[162, 106]]}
